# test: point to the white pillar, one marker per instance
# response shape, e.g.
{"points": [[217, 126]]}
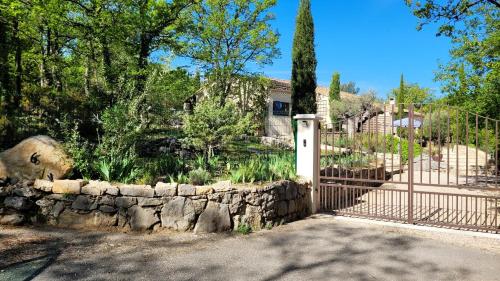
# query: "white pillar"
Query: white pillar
{"points": [[308, 153]]}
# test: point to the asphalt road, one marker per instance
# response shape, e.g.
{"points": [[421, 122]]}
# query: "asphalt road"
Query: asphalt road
{"points": [[322, 248]]}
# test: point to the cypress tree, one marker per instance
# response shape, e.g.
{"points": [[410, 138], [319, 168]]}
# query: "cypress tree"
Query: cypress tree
{"points": [[304, 62], [402, 91], [334, 93]]}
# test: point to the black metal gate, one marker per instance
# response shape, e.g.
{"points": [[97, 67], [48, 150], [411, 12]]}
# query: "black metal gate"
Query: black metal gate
{"points": [[415, 163]]}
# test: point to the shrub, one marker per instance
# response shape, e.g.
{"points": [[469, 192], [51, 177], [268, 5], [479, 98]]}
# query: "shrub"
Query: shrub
{"points": [[264, 168], [244, 229], [179, 178], [116, 166], [199, 177]]}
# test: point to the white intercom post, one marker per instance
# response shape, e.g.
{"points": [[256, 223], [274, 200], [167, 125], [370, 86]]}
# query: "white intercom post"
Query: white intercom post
{"points": [[308, 153]]}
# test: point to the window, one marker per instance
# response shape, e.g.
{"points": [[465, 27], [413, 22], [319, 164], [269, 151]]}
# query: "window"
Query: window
{"points": [[281, 108]]}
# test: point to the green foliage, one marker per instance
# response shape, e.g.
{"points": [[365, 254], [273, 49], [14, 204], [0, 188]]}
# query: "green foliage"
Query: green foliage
{"points": [[334, 92], [353, 160], [263, 168], [212, 126], [350, 87], [179, 178], [244, 229], [400, 146], [411, 93], [304, 62], [199, 177], [226, 35], [352, 107], [118, 166]]}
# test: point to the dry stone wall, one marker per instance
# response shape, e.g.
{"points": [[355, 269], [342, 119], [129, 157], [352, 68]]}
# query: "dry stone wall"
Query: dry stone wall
{"points": [[182, 207]]}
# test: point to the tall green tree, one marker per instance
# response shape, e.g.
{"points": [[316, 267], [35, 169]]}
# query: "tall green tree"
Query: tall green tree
{"points": [[334, 92], [227, 36], [304, 62], [401, 94]]}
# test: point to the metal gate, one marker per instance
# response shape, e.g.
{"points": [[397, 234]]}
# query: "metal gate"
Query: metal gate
{"points": [[415, 163]]}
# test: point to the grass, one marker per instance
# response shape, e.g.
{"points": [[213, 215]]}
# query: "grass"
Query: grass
{"points": [[244, 229]]}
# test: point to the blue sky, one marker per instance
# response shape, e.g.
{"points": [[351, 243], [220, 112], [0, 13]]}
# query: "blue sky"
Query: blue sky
{"points": [[370, 42]]}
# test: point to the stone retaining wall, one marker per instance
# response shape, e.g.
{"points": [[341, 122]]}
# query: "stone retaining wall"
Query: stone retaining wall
{"points": [[94, 204]]}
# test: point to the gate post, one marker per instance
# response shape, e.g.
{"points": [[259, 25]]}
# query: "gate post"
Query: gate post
{"points": [[410, 163], [308, 153]]}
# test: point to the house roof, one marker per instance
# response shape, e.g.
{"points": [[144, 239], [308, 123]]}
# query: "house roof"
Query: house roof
{"points": [[286, 86]]}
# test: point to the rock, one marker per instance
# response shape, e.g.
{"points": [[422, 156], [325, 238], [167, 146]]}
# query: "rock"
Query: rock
{"points": [[18, 203], [222, 186], [29, 192], [178, 214], [107, 209], [215, 218], [45, 205], [96, 187], [93, 219], [58, 208], [125, 202], [106, 200], [62, 197], [5, 190], [253, 218], [282, 208], [136, 190], [186, 190], [142, 218], [84, 203], [291, 191], [112, 190], [204, 190], [38, 157], [291, 206], [199, 205], [253, 198], [145, 202], [166, 189], [68, 186], [43, 185], [11, 219]]}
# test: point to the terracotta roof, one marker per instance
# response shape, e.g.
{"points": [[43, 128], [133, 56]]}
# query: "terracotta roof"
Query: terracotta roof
{"points": [[285, 85]]}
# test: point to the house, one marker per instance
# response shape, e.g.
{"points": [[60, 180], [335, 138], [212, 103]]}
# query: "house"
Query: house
{"points": [[278, 120]]}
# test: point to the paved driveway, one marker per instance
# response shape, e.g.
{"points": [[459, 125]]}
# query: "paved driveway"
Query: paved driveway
{"points": [[322, 248]]}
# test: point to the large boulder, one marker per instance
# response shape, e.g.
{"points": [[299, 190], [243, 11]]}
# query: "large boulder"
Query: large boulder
{"points": [[38, 157]]}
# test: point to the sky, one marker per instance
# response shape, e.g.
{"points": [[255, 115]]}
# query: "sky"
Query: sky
{"points": [[370, 42]]}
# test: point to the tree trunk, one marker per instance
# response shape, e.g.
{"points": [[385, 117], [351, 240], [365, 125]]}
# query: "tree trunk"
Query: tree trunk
{"points": [[4, 59], [145, 42], [18, 63]]}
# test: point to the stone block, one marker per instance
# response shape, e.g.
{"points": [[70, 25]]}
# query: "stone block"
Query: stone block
{"points": [[96, 187], [125, 202], [12, 219], [106, 200], [29, 192], [178, 214], [292, 206], [107, 209], [18, 203], [282, 208], [43, 185], [166, 189], [136, 190], [204, 190], [199, 205], [68, 186], [84, 203], [215, 218], [151, 202], [112, 190], [142, 218], [253, 217], [69, 218], [186, 190], [58, 208], [291, 191]]}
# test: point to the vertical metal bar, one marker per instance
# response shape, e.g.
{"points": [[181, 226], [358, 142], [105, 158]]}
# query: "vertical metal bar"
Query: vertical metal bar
{"points": [[487, 150], [430, 143], [477, 146], [496, 154], [392, 142], [448, 139], [333, 148], [466, 148], [399, 132], [385, 142], [456, 150], [410, 166], [439, 145]]}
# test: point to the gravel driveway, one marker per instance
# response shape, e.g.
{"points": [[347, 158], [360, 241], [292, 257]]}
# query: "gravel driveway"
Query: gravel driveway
{"points": [[319, 248]]}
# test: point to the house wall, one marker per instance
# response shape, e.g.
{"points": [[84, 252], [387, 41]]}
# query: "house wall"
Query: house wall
{"points": [[278, 126]]}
